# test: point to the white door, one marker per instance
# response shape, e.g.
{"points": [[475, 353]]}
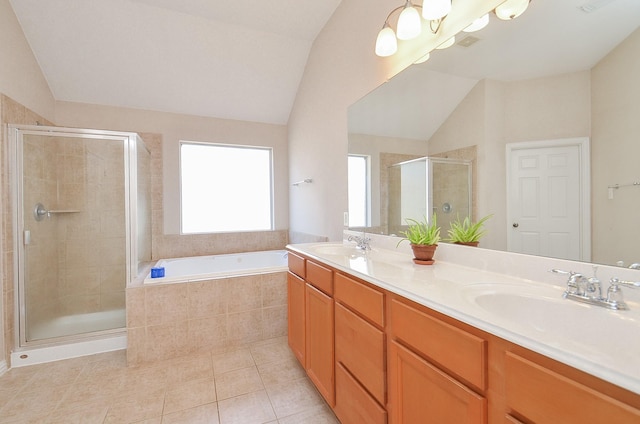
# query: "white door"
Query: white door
{"points": [[548, 199]]}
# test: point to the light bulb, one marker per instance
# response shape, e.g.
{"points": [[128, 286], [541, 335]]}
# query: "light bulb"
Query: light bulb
{"points": [[433, 10], [511, 9], [386, 43], [478, 24], [447, 43], [409, 23]]}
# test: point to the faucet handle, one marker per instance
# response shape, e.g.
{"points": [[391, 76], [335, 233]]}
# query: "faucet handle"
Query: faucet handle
{"points": [[632, 284]]}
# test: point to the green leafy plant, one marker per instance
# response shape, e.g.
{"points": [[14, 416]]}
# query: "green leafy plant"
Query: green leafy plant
{"points": [[466, 231], [422, 232]]}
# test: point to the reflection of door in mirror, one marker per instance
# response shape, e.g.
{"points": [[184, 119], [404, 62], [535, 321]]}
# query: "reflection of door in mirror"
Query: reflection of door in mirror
{"points": [[548, 198]]}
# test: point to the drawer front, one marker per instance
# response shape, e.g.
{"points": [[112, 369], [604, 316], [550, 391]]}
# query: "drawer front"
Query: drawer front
{"points": [[462, 353], [320, 276], [363, 299], [360, 348], [353, 403], [421, 393], [296, 264], [544, 396]]}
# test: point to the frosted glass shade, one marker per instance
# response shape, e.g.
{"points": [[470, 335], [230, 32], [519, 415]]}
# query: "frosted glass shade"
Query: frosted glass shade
{"points": [[409, 23], [511, 9], [435, 9], [386, 43], [447, 43], [422, 59], [478, 24]]}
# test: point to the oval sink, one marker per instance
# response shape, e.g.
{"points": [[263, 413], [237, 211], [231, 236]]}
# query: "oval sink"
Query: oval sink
{"points": [[540, 308]]}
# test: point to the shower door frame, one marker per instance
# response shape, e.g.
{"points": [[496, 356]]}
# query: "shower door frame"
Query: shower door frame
{"points": [[16, 137]]}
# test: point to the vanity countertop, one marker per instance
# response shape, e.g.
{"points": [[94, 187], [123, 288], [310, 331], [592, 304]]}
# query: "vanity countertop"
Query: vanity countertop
{"points": [[533, 314]]}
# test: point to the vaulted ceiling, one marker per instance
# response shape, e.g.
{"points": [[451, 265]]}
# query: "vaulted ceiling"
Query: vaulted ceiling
{"points": [[233, 59]]}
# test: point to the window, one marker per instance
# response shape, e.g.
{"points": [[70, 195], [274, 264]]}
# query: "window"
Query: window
{"points": [[358, 181], [225, 188]]}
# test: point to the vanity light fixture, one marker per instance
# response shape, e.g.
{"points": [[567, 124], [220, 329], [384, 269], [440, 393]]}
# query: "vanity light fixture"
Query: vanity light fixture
{"points": [[409, 24], [511, 9], [422, 59], [450, 42]]}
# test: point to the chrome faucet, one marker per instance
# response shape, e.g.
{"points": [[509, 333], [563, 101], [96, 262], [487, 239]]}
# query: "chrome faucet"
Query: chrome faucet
{"points": [[589, 290], [362, 243]]}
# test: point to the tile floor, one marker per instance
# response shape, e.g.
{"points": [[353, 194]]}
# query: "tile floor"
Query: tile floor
{"points": [[261, 383]]}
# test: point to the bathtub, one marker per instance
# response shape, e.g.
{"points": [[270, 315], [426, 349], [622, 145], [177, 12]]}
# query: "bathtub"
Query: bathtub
{"points": [[197, 268]]}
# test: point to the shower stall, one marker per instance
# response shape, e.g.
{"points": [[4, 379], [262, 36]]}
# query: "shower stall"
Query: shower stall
{"points": [[422, 187], [82, 227]]}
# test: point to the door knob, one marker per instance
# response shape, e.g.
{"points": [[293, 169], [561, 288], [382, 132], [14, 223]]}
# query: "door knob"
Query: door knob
{"points": [[515, 225]]}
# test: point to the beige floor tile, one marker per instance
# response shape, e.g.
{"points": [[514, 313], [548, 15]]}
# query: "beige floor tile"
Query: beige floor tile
{"points": [[320, 414], [293, 397], [33, 402], [233, 360], [272, 352], [189, 394], [283, 371], [252, 408], [131, 409], [88, 416], [192, 367], [238, 382], [203, 414]]}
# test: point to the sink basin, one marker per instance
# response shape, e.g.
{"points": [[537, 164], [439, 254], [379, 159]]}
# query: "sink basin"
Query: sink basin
{"points": [[539, 308]]}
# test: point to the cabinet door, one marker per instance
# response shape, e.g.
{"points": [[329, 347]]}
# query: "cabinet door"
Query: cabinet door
{"points": [[295, 309], [319, 352], [419, 393], [546, 397]]}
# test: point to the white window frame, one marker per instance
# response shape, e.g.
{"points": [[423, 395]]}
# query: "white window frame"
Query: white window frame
{"points": [[233, 146]]}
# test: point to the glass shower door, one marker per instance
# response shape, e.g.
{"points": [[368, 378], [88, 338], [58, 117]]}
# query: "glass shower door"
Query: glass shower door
{"points": [[73, 230]]}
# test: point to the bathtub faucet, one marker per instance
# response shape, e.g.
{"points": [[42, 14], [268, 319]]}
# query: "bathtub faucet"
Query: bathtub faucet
{"points": [[362, 243]]}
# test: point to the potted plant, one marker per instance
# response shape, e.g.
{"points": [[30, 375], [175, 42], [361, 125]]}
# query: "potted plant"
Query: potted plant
{"points": [[467, 232], [424, 237]]}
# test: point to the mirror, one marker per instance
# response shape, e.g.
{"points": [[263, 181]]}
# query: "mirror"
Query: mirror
{"points": [[562, 71]]}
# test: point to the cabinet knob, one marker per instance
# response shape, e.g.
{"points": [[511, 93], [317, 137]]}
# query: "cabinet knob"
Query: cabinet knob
{"points": [[515, 225]]}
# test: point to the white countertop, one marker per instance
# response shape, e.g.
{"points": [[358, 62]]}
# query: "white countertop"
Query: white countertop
{"points": [[530, 313]]}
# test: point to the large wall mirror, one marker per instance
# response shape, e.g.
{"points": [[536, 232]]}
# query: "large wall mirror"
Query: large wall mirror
{"points": [[561, 78]]}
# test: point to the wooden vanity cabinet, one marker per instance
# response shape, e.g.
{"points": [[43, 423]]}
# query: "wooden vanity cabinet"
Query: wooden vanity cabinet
{"points": [[437, 371], [319, 329], [310, 321], [378, 357], [360, 352]]}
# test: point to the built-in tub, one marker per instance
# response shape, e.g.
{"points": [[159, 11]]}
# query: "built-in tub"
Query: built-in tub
{"points": [[198, 268]]}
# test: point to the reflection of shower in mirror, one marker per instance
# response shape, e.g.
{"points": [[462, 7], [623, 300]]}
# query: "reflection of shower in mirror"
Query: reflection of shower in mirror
{"points": [[428, 184]]}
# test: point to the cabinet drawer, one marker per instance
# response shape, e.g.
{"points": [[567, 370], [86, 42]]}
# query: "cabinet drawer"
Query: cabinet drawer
{"points": [[296, 264], [544, 396], [461, 353], [360, 348], [421, 393], [320, 277], [363, 299], [353, 404]]}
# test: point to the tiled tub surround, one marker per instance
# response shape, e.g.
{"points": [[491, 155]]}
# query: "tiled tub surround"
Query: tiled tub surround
{"points": [[603, 350], [170, 320]]}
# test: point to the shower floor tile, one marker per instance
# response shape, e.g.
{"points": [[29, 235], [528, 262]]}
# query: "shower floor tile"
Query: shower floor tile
{"points": [[254, 384]]}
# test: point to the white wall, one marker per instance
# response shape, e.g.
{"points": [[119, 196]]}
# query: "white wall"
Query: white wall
{"points": [[176, 127], [20, 75], [343, 67]]}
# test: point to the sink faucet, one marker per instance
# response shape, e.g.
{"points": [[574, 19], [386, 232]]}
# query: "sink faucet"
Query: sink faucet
{"points": [[589, 290], [362, 243]]}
